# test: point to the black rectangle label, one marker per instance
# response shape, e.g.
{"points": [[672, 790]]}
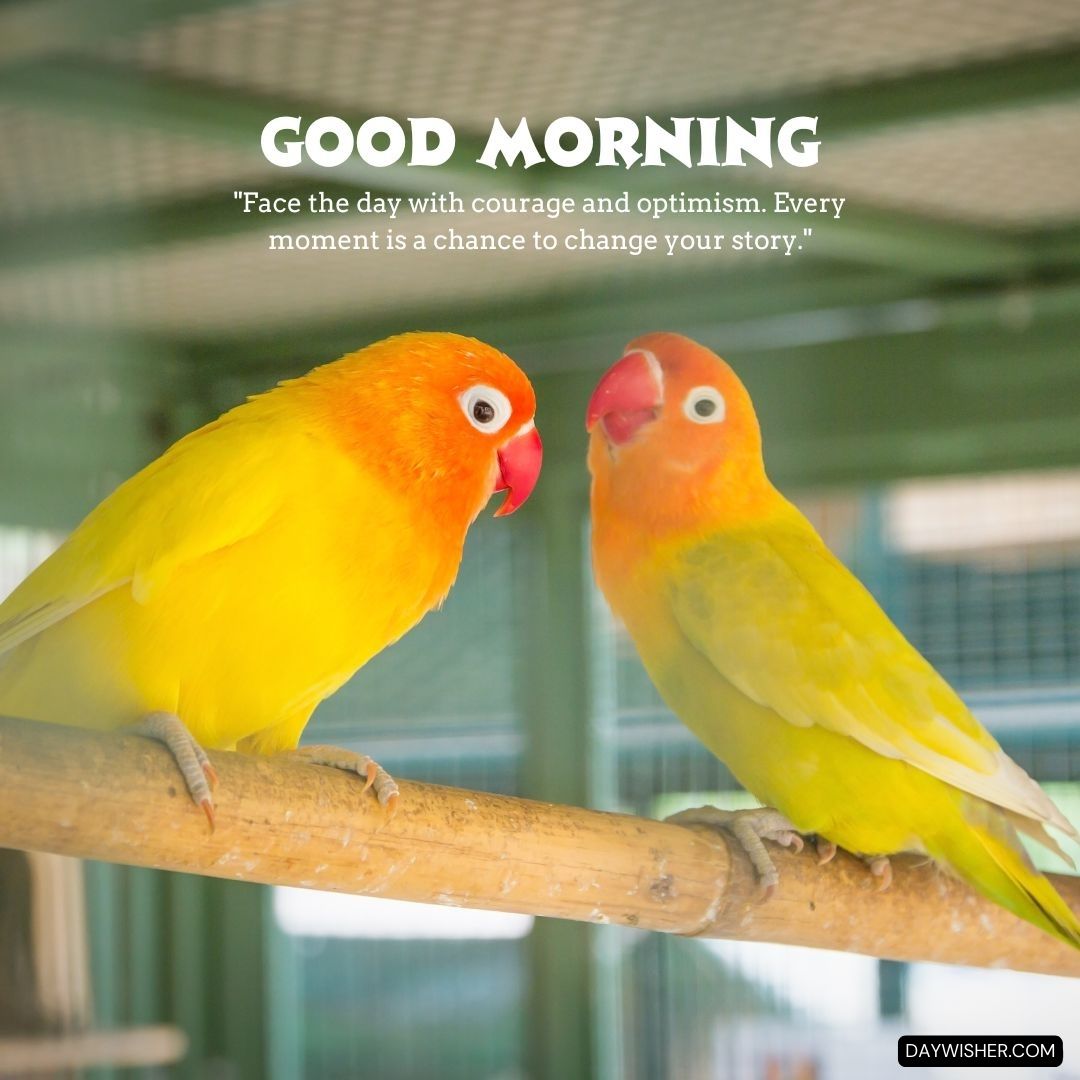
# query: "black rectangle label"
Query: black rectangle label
{"points": [[980, 1050]]}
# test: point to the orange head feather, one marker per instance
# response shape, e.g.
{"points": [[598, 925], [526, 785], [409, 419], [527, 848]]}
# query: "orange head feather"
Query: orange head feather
{"points": [[674, 437], [441, 415]]}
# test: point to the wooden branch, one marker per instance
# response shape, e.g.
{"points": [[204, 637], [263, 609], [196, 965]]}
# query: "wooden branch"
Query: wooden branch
{"points": [[154, 1044], [282, 822]]}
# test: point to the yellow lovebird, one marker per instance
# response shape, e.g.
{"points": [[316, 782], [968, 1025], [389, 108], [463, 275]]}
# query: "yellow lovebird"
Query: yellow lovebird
{"points": [[778, 659], [220, 594]]}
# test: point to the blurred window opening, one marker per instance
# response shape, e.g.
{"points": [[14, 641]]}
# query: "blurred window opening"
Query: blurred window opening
{"points": [[307, 913]]}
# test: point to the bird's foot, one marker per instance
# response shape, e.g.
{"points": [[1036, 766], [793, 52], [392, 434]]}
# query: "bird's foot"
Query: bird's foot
{"points": [[881, 868], [750, 828], [334, 757], [199, 775]]}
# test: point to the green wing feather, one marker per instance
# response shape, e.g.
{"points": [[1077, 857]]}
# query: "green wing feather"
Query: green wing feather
{"points": [[787, 624]]}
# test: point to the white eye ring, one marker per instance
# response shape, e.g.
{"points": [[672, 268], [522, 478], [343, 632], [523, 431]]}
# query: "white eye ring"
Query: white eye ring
{"points": [[705, 405], [486, 408]]}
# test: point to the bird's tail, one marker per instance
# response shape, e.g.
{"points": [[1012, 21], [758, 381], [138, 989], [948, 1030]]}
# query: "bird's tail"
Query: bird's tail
{"points": [[988, 855]]}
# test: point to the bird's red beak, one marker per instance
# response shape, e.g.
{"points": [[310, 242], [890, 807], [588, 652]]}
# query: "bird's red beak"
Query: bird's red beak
{"points": [[627, 397], [519, 469]]}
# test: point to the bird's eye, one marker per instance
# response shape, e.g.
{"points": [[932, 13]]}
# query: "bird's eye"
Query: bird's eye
{"points": [[486, 408], [704, 405]]}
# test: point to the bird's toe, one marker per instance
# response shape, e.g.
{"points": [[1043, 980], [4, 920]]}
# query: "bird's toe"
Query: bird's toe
{"points": [[881, 868], [375, 776], [200, 776]]}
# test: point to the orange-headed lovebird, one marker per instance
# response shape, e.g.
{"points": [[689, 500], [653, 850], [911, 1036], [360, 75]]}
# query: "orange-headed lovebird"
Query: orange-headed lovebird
{"points": [[214, 599], [778, 659]]}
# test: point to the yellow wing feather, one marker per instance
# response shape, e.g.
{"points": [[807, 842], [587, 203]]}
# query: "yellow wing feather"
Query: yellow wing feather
{"points": [[152, 524], [788, 625]]}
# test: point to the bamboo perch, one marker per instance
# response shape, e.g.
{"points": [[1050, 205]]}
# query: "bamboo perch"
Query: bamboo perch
{"points": [[281, 822]]}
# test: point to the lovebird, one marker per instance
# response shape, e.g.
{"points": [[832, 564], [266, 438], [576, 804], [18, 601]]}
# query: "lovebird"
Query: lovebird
{"points": [[216, 597], [779, 660]]}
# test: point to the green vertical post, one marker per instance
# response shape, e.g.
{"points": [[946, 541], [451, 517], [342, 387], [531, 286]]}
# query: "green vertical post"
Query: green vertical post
{"points": [[556, 710], [283, 1000], [609, 943], [103, 919], [892, 989], [239, 974], [145, 942], [190, 957]]}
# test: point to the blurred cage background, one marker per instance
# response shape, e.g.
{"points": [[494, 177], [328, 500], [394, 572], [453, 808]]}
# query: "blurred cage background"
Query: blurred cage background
{"points": [[915, 369]]}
